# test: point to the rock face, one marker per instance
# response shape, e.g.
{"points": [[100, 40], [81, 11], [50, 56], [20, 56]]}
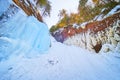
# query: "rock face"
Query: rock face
{"points": [[63, 33], [95, 34]]}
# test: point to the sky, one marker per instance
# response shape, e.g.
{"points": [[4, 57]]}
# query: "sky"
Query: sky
{"points": [[57, 5]]}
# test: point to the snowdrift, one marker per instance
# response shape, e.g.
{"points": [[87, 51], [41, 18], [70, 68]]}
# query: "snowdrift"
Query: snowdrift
{"points": [[62, 63]]}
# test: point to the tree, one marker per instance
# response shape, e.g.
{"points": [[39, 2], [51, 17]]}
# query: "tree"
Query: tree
{"points": [[85, 13], [45, 5], [81, 4], [62, 13], [32, 8]]}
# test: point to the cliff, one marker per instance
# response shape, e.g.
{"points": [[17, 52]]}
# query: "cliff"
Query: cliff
{"points": [[93, 35]]}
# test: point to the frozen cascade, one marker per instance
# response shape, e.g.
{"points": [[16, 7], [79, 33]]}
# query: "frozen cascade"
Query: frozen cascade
{"points": [[23, 34]]}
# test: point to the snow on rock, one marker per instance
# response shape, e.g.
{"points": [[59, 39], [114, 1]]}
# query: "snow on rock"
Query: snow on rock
{"points": [[92, 35], [103, 16], [90, 40], [95, 34], [99, 17], [22, 34], [115, 9]]}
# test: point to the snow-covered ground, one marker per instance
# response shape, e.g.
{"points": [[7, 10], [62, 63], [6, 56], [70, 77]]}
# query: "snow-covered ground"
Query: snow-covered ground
{"points": [[23, 39], [62, 62]]}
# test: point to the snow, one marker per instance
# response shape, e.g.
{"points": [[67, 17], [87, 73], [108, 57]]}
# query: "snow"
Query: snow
{"points": [[23, 39], [113, 11], [102, 16], [83, 24], [90, 3], [62, 63], [99, 17]]}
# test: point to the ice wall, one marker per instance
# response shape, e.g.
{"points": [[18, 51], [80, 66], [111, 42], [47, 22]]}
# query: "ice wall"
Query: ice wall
{"points": [[21, 34]]}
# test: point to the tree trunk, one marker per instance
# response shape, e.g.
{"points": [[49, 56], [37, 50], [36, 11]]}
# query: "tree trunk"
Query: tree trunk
{"points": [[28, 9]]}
